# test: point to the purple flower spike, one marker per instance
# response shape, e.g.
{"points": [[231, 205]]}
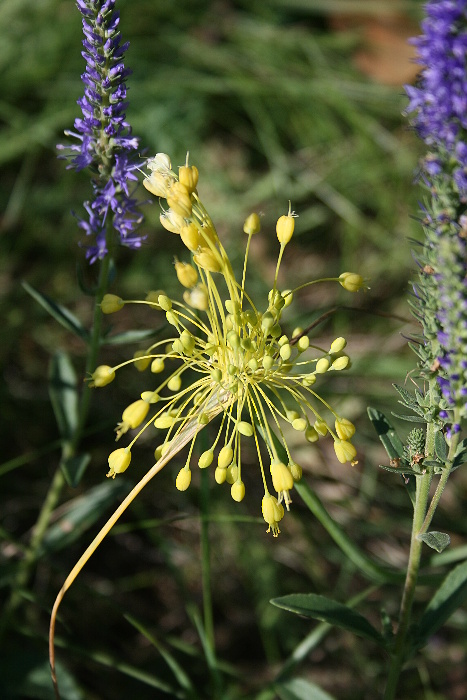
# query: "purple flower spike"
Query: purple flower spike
{"points": [[103, 140]]}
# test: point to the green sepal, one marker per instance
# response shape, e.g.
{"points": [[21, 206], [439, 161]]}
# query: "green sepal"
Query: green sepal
{"points": [[63, 392], [74, 468], [331, 611], [448, 598], [61, 314], [135, 336], [436, 540]]}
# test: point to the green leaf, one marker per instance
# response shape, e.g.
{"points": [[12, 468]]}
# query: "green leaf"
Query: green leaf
{"points": [[74, 468], [460, 457], [402, 470], [81, 513], [300, 689], [436, 540], [63, 393], [388, 436], [411, 419], [407, 398], [450, 595], [135, 336], [327, 610], [441, 447], [59, 312], [391, 443]]}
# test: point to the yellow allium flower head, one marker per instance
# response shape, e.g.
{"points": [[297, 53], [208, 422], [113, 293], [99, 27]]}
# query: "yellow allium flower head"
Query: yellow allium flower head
{"points": [[226, 355]]}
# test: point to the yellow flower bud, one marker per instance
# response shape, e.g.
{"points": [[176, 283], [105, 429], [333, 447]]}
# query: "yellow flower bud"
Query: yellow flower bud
{"points": [[232, 473], [303, 343], [191, 237], [132, 416], [157, 365], [111, 303], [345, 451], [282, 479], [102, 375], [119, 460], [311, 435], [238, 490], [188, 176], [153, 296], [174, 383], [300, 424], [252, 224], [341, 362], [286, 351], [321, 427], [351, 281], [164, 302], [273, 512], [179, 200], [287, 296], [186, 274], [285, 228], [183, 479], [163, 421], [172, 221], [143, 363], [150, 396], [309, 380], [296, 471], [337, 345], [344, 428], [245, 428], [322, 365], [207, 260], [220, 475], [206, 459], [225, 457]]}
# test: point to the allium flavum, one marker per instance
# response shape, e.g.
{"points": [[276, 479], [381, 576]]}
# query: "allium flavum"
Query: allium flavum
{"points": [[228, 356], [105, 143]]}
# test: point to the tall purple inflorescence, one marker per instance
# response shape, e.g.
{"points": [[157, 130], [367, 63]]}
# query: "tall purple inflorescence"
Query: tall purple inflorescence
{"points": [[438, 106], [105, 143]]}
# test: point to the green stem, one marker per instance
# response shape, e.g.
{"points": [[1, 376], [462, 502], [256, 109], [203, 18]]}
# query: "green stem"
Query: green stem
{"points": [[206, 560], [413, 567], [69, 449]]}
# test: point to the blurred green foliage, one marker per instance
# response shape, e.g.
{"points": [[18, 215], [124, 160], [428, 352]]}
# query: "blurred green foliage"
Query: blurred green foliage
{"points": [[269, 101]]}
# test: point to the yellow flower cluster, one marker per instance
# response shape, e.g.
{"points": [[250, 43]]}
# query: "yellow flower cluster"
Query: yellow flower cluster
{"points": [[228, 356]]}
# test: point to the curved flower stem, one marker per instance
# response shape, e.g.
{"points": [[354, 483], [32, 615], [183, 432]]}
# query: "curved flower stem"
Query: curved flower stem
{"points": [[69, 449], [206, 560]]}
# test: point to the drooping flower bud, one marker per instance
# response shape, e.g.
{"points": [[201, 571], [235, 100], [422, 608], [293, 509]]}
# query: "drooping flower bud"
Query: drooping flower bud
{"points": [[186, 274], [102, 375], [191, 237], [206, 259], [238, 490], [183, 479], [285, 228], [345, 451], [111, 303], [344, 428], [119, 460], [132, 416], [273, 512], [188, 176], [351, 281]]}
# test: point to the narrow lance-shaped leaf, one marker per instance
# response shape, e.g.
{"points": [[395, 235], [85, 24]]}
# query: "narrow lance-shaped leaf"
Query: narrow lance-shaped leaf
{"points": [[327, 610], [301, 689], [61, 314], [63, 393], [448, 598]]}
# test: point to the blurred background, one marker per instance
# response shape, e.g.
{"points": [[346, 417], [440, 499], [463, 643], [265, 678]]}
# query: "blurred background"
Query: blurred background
{"points": [[275, 100]]}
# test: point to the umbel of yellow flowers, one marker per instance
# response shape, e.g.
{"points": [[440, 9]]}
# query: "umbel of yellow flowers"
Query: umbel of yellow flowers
{"points": [[228, 356]]}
